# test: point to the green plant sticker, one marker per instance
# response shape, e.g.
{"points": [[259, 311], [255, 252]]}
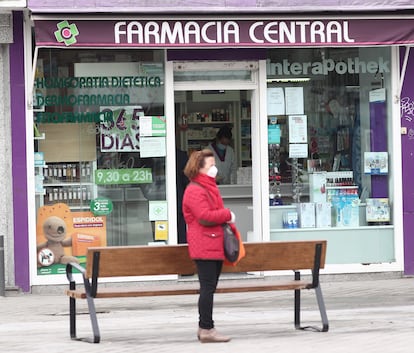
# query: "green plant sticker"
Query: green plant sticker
{"points": [[101, 206], [66, 33]]}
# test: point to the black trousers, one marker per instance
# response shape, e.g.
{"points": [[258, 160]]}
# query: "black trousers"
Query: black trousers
{"points": [[208, 275]]}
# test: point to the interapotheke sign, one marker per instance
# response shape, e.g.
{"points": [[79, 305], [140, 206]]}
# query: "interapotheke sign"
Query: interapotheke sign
{"points": [[223, 33]]}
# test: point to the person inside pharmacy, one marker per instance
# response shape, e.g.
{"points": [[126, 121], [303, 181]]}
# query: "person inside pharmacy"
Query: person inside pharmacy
{"points": [[224, 156]]}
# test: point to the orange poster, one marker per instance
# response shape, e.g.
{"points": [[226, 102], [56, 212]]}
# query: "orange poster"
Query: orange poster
{"points": [[63, 236]]}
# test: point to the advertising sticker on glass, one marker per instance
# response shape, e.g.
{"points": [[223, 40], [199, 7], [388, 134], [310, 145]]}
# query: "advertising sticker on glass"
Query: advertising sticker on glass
{"points": [[121, 133], [376, 163]]}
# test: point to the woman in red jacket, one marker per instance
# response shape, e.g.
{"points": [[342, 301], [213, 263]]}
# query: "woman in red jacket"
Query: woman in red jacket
{"points": [[204, 213]]}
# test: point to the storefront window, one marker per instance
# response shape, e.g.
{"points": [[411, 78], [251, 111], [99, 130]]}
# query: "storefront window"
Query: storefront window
{"points": [[99, 151], [329, 117]]}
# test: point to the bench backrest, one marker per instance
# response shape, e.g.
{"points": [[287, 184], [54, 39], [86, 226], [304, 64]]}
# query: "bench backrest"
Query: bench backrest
{"points": [[123, 261]]}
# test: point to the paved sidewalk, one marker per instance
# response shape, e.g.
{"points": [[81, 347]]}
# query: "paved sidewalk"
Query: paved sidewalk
{"points": [[365, 316]]}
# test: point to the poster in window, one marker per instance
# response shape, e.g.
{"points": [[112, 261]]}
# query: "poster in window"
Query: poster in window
{"points": [[275, 101], [376, 163], [121, 133], [273, 134], [298, 129], [294, 100], [298, 150], [152, 126], [63, 236], [153, 147]]}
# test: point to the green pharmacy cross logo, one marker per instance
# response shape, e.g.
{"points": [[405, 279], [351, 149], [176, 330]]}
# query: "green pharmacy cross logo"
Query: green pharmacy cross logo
{"points": [[158, 210], [66, 33]]}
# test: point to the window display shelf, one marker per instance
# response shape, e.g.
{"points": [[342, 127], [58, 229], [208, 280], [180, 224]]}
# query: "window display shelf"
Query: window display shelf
{"points": [[69, 184], [199, 139], [63, 182], [346, 187], [208, 123], [73, 195]]}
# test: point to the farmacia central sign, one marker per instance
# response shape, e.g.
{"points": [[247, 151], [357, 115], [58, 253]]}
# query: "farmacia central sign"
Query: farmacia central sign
{"points": [[219, 32], [224, 32]]}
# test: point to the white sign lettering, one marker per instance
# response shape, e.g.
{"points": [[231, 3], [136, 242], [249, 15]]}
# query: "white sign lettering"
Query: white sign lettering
{"points": [[326, 66], [225, 32]]}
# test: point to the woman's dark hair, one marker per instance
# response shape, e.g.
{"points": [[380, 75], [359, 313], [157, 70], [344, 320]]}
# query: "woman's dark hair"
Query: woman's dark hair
{"points": [[196, 161], [224, 131]]}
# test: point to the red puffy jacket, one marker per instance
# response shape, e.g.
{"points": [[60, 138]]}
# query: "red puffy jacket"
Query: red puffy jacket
{"points": [[202, 205]]}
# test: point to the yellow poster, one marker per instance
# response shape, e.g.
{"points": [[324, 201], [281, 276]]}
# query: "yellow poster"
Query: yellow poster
{"points": [[161, 230], [63, 236]]}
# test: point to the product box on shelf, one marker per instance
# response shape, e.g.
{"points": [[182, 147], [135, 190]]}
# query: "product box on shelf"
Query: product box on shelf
{"points": [[346, 210], [378, 210], [306, 212], [290, 219], [323, 214], [317, 187]]}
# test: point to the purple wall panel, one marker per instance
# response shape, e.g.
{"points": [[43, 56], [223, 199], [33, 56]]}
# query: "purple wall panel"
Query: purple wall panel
{"points": [[379, 140], [19, 172], [408, 224], [407, 142]]}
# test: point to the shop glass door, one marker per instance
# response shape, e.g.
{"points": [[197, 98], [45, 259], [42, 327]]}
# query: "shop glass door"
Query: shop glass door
{"points": [[203, 114]]}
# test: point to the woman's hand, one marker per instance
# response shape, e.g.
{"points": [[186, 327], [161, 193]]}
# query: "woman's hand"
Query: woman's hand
{"points": [[233, 218]]}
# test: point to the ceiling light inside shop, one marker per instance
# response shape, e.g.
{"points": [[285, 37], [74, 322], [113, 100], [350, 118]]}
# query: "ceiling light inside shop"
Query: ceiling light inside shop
{"points": [[351, 88]]}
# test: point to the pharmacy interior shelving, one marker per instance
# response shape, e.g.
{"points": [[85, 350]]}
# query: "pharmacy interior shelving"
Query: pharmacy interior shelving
{"points": [[201, 114]]}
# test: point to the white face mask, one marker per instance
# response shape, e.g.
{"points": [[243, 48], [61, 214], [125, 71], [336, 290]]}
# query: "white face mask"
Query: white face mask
{"points": [[212, 172]]}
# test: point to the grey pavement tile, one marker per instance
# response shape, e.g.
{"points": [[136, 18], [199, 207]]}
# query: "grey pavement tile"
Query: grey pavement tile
{"points": [[364, 316]]}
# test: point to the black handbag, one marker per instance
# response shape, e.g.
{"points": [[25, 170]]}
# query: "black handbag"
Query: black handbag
{"points": [[231, 244]]}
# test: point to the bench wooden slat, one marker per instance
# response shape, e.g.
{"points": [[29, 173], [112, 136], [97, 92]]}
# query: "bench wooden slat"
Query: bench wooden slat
{"points": [[271, 256], [135, 292], [174, 259], [146, 291], [140, 261]]}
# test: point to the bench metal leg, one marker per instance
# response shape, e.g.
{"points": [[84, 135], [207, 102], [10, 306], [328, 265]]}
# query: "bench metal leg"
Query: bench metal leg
{"points": [[297, 309], [90, 290], [321, 305], [92, 315], [72, 317], [94, 320], [322, 311]]}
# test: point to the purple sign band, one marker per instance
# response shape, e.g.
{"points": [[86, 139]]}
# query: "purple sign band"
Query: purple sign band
{"points": [[224, 33]]}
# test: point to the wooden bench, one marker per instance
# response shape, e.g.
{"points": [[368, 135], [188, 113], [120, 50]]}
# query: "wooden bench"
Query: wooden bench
{"points": [[119, 261]]}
